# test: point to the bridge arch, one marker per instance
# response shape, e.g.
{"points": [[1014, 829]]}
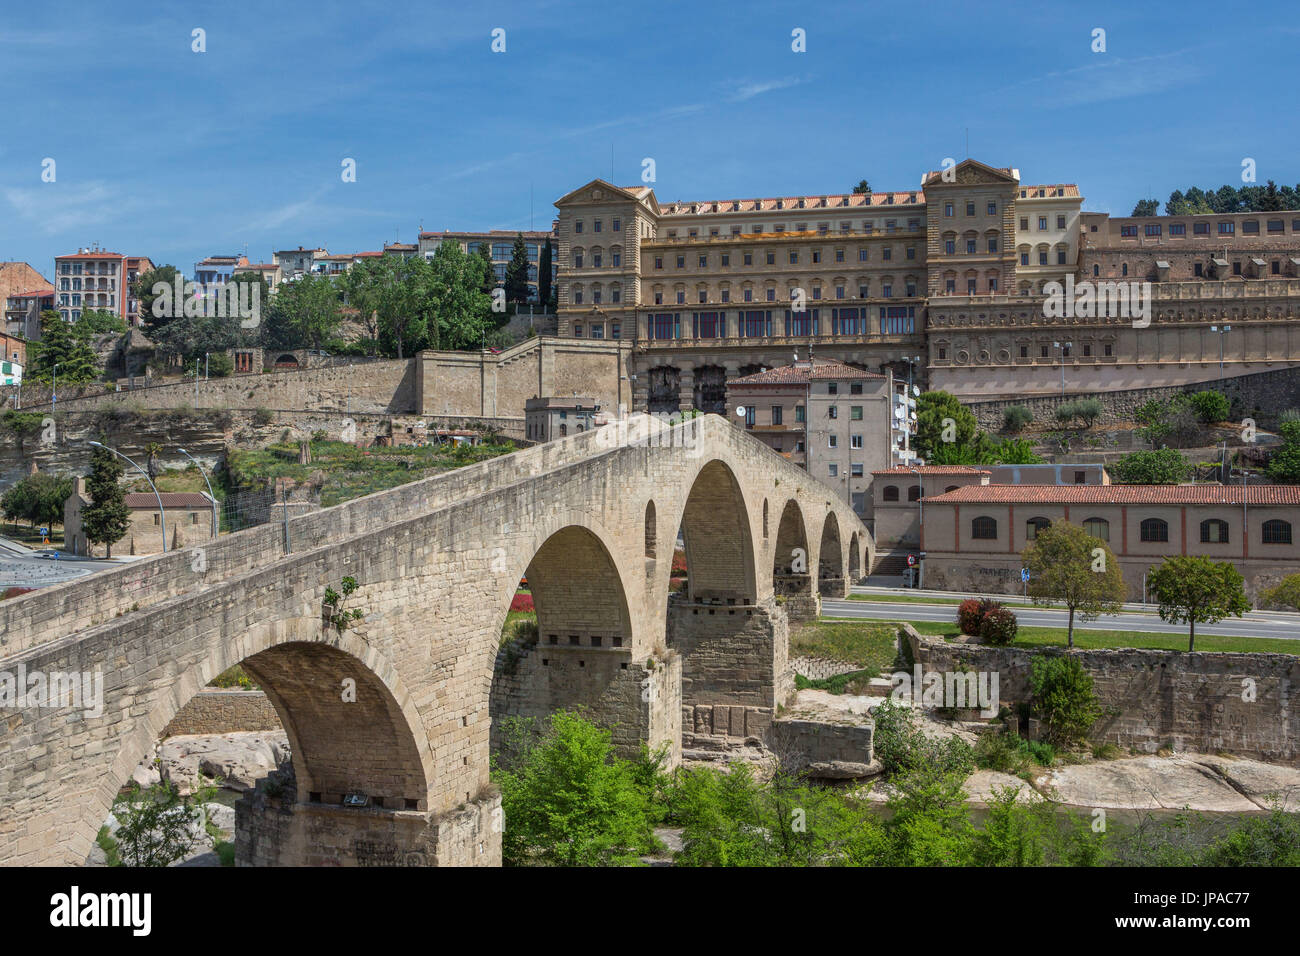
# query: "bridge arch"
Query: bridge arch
{"points": [[830, 559], [714, 523], [791, 561], [855, 559]]}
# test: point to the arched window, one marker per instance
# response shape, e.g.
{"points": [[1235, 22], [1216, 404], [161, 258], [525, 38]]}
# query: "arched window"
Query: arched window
{"points": [[914, 493], [1035, 525], [651, 530], [1099, 528], [1277, 531], [891, 492], [1154, 529], [984, 528], [1214, 531]]}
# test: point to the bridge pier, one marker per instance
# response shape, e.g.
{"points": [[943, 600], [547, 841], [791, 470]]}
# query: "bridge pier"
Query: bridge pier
{"points": [[735, 669], [801, 604], [637, 701], [273, 832]]}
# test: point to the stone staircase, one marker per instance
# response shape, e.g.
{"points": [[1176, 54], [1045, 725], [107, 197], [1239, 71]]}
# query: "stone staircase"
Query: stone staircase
{"points": [[890, 562]]}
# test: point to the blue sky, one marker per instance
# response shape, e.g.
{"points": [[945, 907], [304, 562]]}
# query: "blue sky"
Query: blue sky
{"points": [[178, 155]]}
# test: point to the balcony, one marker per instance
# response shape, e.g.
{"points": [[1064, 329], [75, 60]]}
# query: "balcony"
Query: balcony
{"points": [[786, 341]]}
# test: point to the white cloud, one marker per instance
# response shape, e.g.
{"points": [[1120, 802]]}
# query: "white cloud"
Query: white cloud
{"points": [[57, 207]]}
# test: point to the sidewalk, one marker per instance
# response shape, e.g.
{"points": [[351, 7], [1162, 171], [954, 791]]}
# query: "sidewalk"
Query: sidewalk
{"points": [[1018, 599]]}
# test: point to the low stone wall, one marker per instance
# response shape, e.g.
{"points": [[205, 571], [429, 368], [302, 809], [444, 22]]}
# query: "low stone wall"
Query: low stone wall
{"points": [[819, 668], [824, 749], [220, 711], [1241, 704], [1260, 395]]}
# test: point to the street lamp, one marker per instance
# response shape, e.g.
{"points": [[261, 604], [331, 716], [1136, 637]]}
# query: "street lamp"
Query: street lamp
{"points": [[54, 388], [920, 522], [162, 517], [216, 521], [1221, 332], [1064, 349]]}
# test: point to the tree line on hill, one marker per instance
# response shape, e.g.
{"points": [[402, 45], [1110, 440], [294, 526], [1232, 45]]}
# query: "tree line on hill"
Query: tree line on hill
{"points": [[1198, 201]]}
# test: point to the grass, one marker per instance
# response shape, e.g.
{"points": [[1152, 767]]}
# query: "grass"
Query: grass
{"points": [[871, 645], [510, 629], [1098, 640], [853, 682], [233, 678], [1010, 600], [26, 534], [348, 472]]}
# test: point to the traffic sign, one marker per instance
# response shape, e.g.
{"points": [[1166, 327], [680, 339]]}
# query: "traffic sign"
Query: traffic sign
{"points": [[1024, 574], [911, 560]]}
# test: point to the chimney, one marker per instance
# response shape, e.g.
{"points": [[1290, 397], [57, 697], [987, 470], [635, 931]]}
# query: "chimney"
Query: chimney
{"points": [[79, 487]]}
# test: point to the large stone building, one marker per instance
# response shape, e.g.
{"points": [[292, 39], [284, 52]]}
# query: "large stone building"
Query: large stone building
{"points": [[93, 278], [188, 517], [959, 275], [19, 285], [501, 245]]}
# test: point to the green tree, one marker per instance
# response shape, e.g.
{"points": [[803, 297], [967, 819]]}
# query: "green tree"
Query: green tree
{"points": [[158, 826], [1146, 207], [490, 281], [1069, 566], [1270, 201], [1061, 693], [1196, 590], [37, 498], [942, 420], [98, 322], [144, 291], [23, 426], [304, 314], [1168, 466], [544, 261], [107, 518], [60, 345], [863, 188], [1286, 593], [517, 272], [460, 313], [1284, 463], [571, 802]]}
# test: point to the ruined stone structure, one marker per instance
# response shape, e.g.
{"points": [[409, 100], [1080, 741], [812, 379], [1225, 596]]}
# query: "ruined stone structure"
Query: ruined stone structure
{"points": [[397, 705]]}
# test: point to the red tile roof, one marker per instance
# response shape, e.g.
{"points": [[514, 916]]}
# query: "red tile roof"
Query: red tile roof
{"points": [[145, 500], [34, 294], [790, 204], [92, 255], [800, 373], [1288, 495], [924, 470]]}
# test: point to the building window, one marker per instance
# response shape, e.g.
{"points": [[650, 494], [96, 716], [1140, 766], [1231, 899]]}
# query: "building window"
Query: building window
{"points": [[1214, 531], [1227, 228], [832, 441], [577, 225], [833, 470], [1042, 224], [1250, 227], [681, 262], [984, 528], [833, 411], [776, 414], [914, 493], [1152, 229], [799, 413], [993, 209], [855, 441], [891, 493], [970, 208], [1277, 531], [1035, 525], [1099, 528], [855, 413], [617, 225], [1154, 529], [947, 209]]}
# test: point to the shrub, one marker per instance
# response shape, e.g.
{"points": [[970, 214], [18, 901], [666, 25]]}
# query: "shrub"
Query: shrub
{"points": [[263, 416], [220, 365], [999, 627], [522, 602], [1016, 418], [901, 746], [969, 615], [1063, 698], [1210, 406]]}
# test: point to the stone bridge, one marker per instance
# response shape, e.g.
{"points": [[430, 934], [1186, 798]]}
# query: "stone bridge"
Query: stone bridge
{"points": [[399, 704]]}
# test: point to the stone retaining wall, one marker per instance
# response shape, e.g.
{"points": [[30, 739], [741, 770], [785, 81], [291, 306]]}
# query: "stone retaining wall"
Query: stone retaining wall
{"points": [[1235, 703], [819, 668], [220, 711]]}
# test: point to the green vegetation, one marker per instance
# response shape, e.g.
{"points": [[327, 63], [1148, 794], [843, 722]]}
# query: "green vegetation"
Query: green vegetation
{"points": [[63, 345], [901, 746], [1063, 698], [851, 682], [1284, 463], [1196, 590], [1164, 467], [1085, 410], [106, 519], [870, 645], [1090, 639], [1069, 565], [569, 801], [233, 677], [1286, 593], [1016, 418], [158, 826], [947, 435], [1179, 420], [345, 471], [1229, 198], [37, 499]]}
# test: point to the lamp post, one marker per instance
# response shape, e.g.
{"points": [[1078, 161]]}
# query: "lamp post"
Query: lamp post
{"points": [[162, 516], [54, 387], [920, 522], [1064, 348], [1221, 333], [216, 521]]}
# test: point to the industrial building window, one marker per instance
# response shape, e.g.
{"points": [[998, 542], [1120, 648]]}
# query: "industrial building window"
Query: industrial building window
{"points": [[984, 528], [1214, 531], [891, 493], [914, 493], [1154, 529], [1099, 528], [1277, 531], [1035, 525]]}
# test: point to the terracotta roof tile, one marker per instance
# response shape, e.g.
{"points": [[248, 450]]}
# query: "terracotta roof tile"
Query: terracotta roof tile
{"points": [[821, 370], [935, 470], [144, 500], [1286, 495]]}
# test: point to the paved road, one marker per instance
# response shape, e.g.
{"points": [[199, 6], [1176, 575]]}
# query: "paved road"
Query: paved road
{"points": [[23, 567], [1039, 617]]}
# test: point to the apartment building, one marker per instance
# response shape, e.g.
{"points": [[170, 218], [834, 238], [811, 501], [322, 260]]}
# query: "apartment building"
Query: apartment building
{"points": [[93, 278], [552, 417], [296, 262], [501, 244], [18, 279], [13, 357], [830, 418], [23, 313]]}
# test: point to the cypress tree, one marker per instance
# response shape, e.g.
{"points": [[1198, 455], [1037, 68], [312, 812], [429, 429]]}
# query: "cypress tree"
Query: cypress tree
{"points": [[107, 518]]}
